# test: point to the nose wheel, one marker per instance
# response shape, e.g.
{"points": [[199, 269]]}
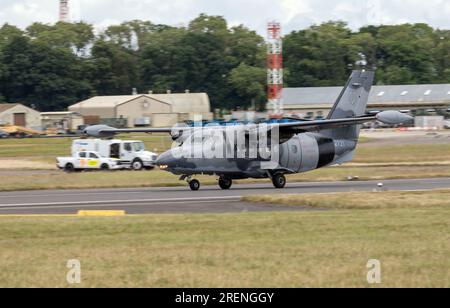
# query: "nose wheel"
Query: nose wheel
{"points": [[194, 185]]}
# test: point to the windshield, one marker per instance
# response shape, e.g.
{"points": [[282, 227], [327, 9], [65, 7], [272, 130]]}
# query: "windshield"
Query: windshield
{"points": [[138, 146]]}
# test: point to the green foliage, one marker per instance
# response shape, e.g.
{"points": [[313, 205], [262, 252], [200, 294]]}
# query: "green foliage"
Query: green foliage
{"points": [[249, 84], [53, 66]]}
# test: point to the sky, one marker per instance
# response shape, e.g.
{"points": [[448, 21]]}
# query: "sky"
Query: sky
{"points": [[293, 14]]}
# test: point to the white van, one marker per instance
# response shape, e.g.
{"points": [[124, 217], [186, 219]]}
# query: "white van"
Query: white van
{"points": [[130, 153]]}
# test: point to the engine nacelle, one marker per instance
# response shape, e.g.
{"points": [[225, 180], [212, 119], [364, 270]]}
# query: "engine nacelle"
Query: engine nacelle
{"points": [[100, 131], [393, 117]]}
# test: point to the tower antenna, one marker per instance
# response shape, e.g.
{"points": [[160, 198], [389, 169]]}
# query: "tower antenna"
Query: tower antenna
{"points": [[275, 68], [64, 11]]}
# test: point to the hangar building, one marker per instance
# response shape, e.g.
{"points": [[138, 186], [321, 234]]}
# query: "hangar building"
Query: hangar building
{"points": [[419, 99], [156, 110], [20, 115]]}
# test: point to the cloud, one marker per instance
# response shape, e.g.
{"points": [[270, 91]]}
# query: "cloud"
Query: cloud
{"points": [[293, 14]]}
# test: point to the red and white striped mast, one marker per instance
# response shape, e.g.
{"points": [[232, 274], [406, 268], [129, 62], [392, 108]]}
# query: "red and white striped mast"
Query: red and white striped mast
{"points": [[275, 69], [64, 11]]}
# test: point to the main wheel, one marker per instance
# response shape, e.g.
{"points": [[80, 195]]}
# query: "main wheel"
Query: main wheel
{"points": [[69, 168], [194, 185], [137, 165], [225, 183], [104, 167], [279, 180]]}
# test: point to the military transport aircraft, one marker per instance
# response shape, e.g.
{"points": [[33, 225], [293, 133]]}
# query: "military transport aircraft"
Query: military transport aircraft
{"points": [[294, 147]]}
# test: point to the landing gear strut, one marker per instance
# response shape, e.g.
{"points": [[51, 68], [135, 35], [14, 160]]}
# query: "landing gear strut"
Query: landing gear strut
{"points": [[279, 180], [225, 183], [193, 183]]}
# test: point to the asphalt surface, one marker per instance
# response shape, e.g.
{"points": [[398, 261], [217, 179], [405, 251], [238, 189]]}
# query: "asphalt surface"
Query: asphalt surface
{"points": [[209, 199]]}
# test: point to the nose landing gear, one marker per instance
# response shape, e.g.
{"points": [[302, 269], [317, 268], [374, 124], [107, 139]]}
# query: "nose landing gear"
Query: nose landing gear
{"points": [[193, 183]]}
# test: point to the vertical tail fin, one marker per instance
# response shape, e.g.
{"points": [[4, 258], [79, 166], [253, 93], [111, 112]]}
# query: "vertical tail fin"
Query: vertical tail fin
{"points": [[351, 103]]}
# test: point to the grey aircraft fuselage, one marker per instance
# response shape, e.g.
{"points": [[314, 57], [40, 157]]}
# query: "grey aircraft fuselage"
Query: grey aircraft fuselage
{"points": [[303, 145], [301, 153]]}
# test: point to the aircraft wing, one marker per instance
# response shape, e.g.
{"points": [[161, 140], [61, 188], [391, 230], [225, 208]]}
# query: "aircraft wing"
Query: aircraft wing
{"points": [[310, 126], [388, 117]]}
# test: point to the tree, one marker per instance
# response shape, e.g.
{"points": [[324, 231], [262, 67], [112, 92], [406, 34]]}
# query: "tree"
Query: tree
{"points": [[76, 37], [112, 69], [51, 66], [8, 33], [403, 54], [36, 74], [320, 55], [248, 82]]}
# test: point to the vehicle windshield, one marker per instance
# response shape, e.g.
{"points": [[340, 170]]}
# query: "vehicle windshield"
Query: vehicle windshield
{"points": [[138, 146]]}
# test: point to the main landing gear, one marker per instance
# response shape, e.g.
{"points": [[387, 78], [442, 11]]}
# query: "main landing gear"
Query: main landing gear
{"points": [[194, 185], [279, 180], [225, 183]]}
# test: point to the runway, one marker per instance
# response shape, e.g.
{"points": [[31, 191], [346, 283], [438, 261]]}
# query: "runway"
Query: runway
{"points": [[210, 199]]}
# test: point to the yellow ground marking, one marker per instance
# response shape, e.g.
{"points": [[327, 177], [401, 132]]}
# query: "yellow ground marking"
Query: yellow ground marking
{"points": [[101, 213], [79, 214]]}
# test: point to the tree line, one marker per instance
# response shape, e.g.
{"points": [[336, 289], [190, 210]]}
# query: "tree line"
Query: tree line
{"points": [[50, 67]]}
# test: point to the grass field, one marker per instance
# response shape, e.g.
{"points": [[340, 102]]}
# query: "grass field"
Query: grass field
{"points": [[47, 149], [361, 201], [297, 249]]}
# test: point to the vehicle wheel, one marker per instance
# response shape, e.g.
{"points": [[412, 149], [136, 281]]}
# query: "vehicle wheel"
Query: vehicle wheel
{"points": [[225, 183], [279, 180], [137, 165], [194, 185], [104, 167], [69, 168]]}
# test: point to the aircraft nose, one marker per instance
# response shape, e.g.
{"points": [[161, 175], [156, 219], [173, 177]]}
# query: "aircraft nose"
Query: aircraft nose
{"points": [[165, 160]]}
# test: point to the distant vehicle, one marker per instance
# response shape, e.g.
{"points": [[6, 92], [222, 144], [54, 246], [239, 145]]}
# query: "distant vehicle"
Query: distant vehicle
{"points": [[130, 153], [87, 161], [3, 134], [447, 124]]}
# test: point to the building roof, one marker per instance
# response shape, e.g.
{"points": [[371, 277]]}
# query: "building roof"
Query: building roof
{"points": [[106, 101], [185, 102], [4, 107], [435, 93], [58, 113], [180, 102]]}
